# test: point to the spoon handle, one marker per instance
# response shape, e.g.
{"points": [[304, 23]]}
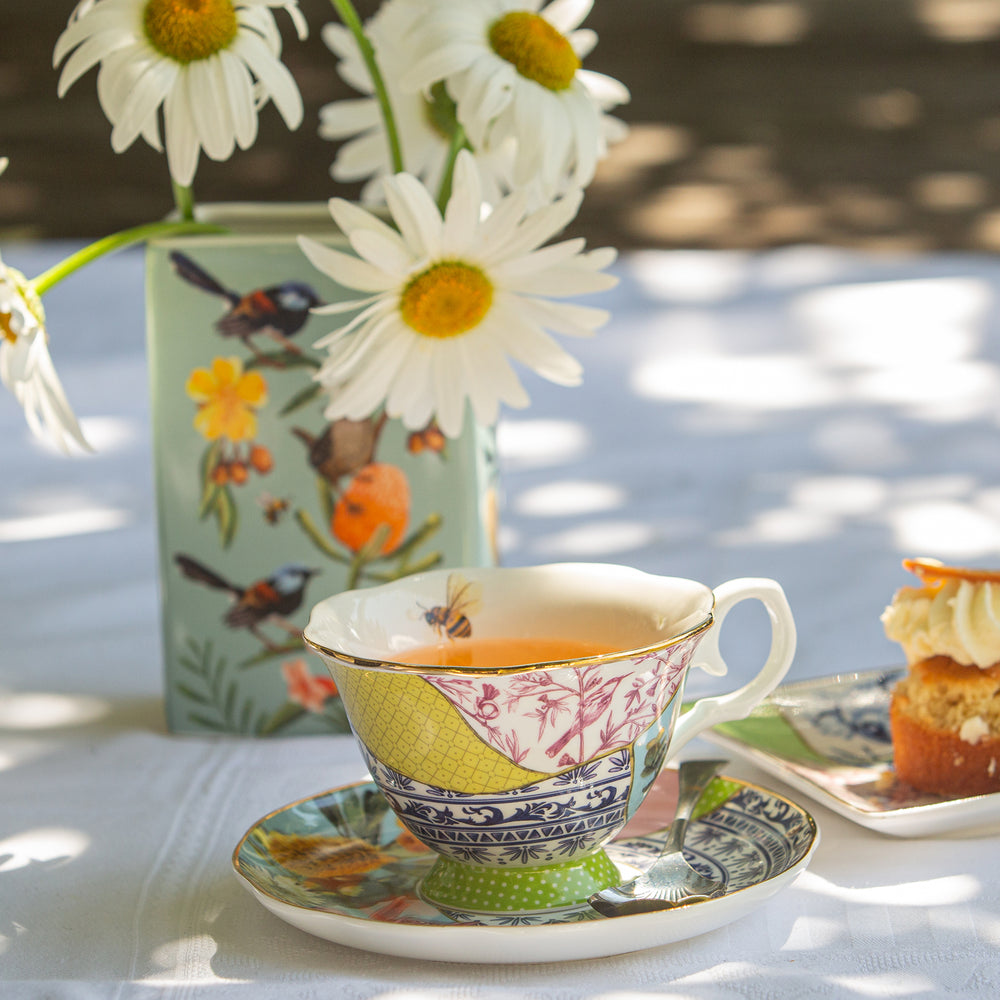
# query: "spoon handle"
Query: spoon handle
{"points": [[693, 776]]}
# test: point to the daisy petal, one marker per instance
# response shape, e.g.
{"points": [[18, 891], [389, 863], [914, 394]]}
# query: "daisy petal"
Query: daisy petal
{"points": [[341, 119], [415, 213], [438, 65], [210, 116], [147, 94], [277, 80], [583, 41], [345, 269], [565, 15], [335, 308], [559, 282], [354, 161], [449, 394], [568, 318], [182, 142], [363, 394], [535, 349], [386, 253], [543, 224], [350, 217], [461, 219], [239, 97], [89, 54]]}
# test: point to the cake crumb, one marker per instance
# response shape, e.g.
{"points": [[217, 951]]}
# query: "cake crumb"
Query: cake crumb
{"points": [[974, 729]]}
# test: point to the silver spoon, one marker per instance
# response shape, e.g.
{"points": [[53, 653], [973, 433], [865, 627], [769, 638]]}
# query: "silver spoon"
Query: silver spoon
{"points": [[670, 880]]}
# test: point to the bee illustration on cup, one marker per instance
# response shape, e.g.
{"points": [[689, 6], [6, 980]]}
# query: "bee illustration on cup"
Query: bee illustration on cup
{"points": [[451, 619]]}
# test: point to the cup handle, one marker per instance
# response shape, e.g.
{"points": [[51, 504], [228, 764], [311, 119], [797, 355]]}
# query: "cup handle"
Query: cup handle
{"points": [[738, 704]]}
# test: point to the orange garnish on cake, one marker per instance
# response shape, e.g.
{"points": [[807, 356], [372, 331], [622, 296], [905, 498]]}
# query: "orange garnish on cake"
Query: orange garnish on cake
{"points": [[934, 572]]}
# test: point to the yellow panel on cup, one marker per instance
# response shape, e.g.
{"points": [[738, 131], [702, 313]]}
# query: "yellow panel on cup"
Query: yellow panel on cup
{"points": [[413, 728]]}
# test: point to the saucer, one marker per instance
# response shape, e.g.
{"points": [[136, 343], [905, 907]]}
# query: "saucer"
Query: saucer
{"points": [[829, 738], [339, 865]]}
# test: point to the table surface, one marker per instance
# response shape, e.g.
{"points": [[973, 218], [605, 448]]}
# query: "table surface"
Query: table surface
{"points": [[811, 415]]}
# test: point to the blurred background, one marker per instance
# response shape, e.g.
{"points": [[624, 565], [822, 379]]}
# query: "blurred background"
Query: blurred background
{"points": [[872, 124]]}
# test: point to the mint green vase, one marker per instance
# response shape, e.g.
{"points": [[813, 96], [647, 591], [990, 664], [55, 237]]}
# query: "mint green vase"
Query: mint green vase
{"points": [[264, 506]]}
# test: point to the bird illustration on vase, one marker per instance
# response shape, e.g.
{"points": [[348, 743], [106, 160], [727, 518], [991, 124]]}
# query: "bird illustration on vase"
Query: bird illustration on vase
{"points": [[267, 601], [343, 447], [278, 311]]}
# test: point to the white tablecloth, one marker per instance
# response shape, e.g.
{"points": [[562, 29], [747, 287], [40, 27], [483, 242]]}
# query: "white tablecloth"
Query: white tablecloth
{"points": [[806, 414]]}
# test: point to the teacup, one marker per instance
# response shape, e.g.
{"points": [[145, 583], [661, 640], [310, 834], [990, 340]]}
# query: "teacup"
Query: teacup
{"points": [[518, 768]]}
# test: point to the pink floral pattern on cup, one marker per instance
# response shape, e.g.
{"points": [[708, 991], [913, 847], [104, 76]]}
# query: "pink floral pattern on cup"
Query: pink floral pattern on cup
{"points": [[548, 720]]}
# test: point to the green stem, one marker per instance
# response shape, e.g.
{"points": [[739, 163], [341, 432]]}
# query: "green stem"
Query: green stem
{"points": [[288, 713], [457, 144], [117, 241], [184, 200], [350, 18], [306, 523]]}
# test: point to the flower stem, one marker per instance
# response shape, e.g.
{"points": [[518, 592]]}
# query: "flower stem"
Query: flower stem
{"points": [[109, 244], [184, 200], [456, 145], [349, 16]]}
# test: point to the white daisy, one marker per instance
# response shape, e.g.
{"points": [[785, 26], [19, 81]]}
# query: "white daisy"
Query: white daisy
{"points": [[515, 72], [454, 297], [422, 125], [25, 364], [211, 64]]}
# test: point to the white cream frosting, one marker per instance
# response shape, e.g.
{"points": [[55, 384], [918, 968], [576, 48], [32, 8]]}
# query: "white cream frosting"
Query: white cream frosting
{"points": [[960, 619]]}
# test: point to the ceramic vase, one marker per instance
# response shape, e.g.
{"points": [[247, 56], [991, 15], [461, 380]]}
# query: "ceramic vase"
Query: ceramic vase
{"points": [[264, 506]]}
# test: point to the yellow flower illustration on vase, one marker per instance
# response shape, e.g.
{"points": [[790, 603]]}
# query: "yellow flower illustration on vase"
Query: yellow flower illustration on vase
{"points": [[228, 399]]}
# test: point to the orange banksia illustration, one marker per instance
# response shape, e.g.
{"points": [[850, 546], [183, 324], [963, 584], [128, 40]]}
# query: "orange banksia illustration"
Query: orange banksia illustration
{"points": [[378, 495]]}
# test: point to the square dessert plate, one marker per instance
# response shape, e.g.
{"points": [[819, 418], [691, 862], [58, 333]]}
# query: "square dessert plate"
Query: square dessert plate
{"points": [[829, 738]]}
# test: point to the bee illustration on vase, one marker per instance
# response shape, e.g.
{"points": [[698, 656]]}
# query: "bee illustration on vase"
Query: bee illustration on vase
{"points": [[274, 508], [463, 598]]}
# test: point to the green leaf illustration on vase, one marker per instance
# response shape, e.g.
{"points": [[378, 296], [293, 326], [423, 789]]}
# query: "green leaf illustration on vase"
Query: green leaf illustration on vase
{"points": [[220, 705], [217, 499], [302, 398], [207, 682]]}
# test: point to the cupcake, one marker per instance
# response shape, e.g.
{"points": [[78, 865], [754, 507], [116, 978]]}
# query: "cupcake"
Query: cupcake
{"points": [[945, 713]]}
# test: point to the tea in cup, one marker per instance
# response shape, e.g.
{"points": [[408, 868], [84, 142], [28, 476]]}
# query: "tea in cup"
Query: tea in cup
{"points": [[515, 718]]}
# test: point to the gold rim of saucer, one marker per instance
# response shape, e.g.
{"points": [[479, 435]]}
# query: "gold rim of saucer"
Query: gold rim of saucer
{"points": [[385, 663]]}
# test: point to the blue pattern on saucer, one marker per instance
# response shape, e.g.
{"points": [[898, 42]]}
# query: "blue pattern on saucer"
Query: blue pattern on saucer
{"points": [[751, 838]]}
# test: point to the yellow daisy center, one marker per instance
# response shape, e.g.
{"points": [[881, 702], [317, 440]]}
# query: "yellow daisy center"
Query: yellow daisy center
{"points": [[447, 299], [535, 49], [188, 30], [6, 330]]}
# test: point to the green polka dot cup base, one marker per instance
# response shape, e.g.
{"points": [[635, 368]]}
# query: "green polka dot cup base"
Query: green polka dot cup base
{"points": [[480, 889], [517, 773]]}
